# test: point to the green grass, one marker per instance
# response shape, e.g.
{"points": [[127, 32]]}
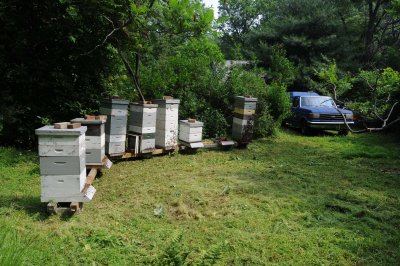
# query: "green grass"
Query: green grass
{"points": [[289, 200]]}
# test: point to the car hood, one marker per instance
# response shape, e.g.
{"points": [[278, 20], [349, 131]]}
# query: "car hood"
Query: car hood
{"points": [[325, 110]]}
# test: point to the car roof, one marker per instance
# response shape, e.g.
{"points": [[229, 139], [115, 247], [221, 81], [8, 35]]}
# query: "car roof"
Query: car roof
{"points": [[293, 94]]}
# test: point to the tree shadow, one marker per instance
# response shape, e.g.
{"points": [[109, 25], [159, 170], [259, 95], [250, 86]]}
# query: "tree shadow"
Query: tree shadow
{"points": [[31, 205]]}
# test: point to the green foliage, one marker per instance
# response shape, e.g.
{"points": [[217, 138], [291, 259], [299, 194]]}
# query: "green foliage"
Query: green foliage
{"points": [[382, 90], [273, 106], [331, 81], [281, 69]]}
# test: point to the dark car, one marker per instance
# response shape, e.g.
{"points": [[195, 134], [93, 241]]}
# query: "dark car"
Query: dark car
{"points": [[313, 111]]}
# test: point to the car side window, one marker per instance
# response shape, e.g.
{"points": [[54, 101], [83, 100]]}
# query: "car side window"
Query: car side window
{"points": [[296, 102]]}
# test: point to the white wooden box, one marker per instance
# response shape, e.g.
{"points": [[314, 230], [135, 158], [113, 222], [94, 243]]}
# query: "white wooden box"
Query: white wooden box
{"points": [[69, 146], [194, 137], [167, 139], [115, 138], [116, 112], [63, 185], [62, 165], [142, 130], [115, 147]]}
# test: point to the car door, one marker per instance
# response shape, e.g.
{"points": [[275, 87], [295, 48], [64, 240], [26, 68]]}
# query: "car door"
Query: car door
{"points": [[295, 116]]}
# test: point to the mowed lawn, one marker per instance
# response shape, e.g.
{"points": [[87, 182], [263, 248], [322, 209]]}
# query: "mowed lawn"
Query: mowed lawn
{"points": [[288, 200]]}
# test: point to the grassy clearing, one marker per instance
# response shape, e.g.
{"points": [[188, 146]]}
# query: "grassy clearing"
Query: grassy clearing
{"points": [[290, 200]]}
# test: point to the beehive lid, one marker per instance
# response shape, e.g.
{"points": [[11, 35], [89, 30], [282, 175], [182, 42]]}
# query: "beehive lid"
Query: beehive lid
{"points": [[167, 101], [245, 99], [115, 101], [50, 130], [84, 121], [145, 105], [191, 124]]}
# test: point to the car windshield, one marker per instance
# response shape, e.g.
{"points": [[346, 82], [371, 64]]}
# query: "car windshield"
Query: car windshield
{"points": [[317, 101]]}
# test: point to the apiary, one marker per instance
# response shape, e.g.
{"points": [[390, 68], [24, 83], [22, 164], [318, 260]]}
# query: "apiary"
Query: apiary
{"points": [[166, 136], [116, 125], [95, 139], [62, 164], [142, 122], [243, 118]]}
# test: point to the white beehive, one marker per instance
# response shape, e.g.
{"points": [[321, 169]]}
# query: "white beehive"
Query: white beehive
{"points": [[190, 131], [142, 118], [62, 164], [117, 114], [95, 139], [167, 123]]}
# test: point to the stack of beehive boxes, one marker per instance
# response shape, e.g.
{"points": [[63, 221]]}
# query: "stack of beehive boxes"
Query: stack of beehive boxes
{"points": [[117, 115], [62, 164], [243, 118], [142, 125], [190, 133], [167, 123], [95, 138]]}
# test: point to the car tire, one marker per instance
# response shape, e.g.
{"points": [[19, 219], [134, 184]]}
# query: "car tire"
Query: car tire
{"points": [[343, 132], [304, 128]]}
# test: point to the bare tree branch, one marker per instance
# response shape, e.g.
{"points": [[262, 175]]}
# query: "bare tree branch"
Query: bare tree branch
{"points": [[109, 35]]}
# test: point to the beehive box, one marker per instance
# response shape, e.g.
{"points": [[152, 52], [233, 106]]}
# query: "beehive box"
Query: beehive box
{"points": [[243, 118], [62, 163], [95, 140], [116, 126], [167, 123], [190, 132], [142, 118], [141, 143]]}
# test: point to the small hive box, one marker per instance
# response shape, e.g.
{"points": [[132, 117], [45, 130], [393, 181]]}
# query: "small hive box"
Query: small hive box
{"points": [[243, 118], [167, 123], [116, 125], [62, 164], [190, 131], [95, 139]]}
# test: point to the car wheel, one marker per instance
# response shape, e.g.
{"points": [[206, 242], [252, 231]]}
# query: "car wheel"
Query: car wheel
{"points": [[304, 128], [343, 132]]}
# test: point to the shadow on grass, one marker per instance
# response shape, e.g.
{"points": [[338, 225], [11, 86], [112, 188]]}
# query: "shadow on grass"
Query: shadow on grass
{"points": [[31, 205]]}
